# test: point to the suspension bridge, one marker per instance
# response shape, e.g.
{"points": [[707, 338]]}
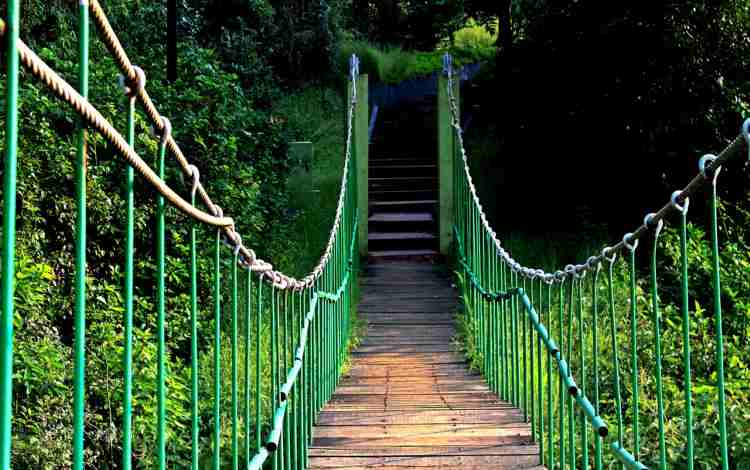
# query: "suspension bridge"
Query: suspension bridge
{"points": [[554, 388]]}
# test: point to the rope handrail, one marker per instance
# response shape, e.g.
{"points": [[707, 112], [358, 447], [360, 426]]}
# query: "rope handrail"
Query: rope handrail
{"points": [[309, 317], [708, 165], [504, 340], [249, 258]]}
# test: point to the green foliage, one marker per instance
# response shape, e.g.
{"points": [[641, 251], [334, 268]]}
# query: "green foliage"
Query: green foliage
{"points": [[734, 260], [393, 64]]}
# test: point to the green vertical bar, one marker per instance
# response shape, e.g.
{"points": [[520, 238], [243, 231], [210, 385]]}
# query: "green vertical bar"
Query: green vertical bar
{"points": [[571, 416], [195, 416], [248, 308], [560, 396], [217, 352], [258, 383], [446, 155], [685, 306], [235, 310], [525, 365], [582, 379], [657, 349], [79, 360], [274, 357], [550, 417], [540, 378], [287, 426], [634, 356], [716, 278], [127, 397], [595, 355], [160, 320], [9, 236], [615, 358]]}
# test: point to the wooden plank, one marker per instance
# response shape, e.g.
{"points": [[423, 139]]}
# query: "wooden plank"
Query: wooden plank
{"points": [[409, 400], [490, 416], [405, 450], [435, 461]]}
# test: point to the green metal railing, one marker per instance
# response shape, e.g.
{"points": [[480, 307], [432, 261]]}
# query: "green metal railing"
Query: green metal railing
{"points": [[531, 329], [307, 319]]}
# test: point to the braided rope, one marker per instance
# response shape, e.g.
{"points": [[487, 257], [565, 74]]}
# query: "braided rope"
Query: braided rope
{"points": [[248, 257], [134, 82], [709, 165], [95, 119]]}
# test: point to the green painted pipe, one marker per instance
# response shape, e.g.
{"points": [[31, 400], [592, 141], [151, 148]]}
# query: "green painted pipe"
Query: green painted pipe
{"points": [[9, 235], [79, 315], [626, 458]]}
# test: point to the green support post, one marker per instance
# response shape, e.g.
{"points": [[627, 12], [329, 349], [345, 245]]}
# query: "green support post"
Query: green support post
{"points": [[361, 155], [9, 235], [446, 151], [79, 368]]}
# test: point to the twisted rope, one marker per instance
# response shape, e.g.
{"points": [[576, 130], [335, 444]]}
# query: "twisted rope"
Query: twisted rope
{"points": [[134, 82], [708, 166]]}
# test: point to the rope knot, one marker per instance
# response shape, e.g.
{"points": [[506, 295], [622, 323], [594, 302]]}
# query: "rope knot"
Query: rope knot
{"points": [[166, 131], [131, 89]]}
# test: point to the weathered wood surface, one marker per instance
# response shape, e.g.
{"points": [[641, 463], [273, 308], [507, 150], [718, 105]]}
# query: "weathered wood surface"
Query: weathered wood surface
{"points": [[409, 400]]}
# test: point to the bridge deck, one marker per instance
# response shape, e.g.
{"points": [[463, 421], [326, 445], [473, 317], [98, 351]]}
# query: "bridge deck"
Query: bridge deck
{"points": [[409, 400]]}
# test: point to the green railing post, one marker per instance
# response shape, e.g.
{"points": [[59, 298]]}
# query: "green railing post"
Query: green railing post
{"points": [[216, 462], [712, 175], [9, 235], [127, 398], [194, 421], [446, 152], [361, 154], [79, 360], [161, 379]]}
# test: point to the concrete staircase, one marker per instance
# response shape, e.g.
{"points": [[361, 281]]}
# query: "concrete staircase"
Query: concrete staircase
{"points": [[403, 184]]}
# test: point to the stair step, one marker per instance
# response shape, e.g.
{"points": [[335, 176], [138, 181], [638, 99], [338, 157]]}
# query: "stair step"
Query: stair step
{"points": [[405, 166], [400, 236], [402, 254], [418, 202], [401, 217], [401, 194]]}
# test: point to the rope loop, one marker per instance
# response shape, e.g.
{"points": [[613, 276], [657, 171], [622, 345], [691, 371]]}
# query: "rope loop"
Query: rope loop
{"points": [[626, 241], [166, 131], [673, 200], [570, 270], [708, 172], [648, 221], [196, 179], [238, 243], [592, 262], [133, 89], [559, 275], [580, 271], [605, 251]]}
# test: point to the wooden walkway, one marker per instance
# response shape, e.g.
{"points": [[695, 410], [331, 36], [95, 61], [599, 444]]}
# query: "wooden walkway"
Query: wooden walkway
{"points": [[409, 401]]}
